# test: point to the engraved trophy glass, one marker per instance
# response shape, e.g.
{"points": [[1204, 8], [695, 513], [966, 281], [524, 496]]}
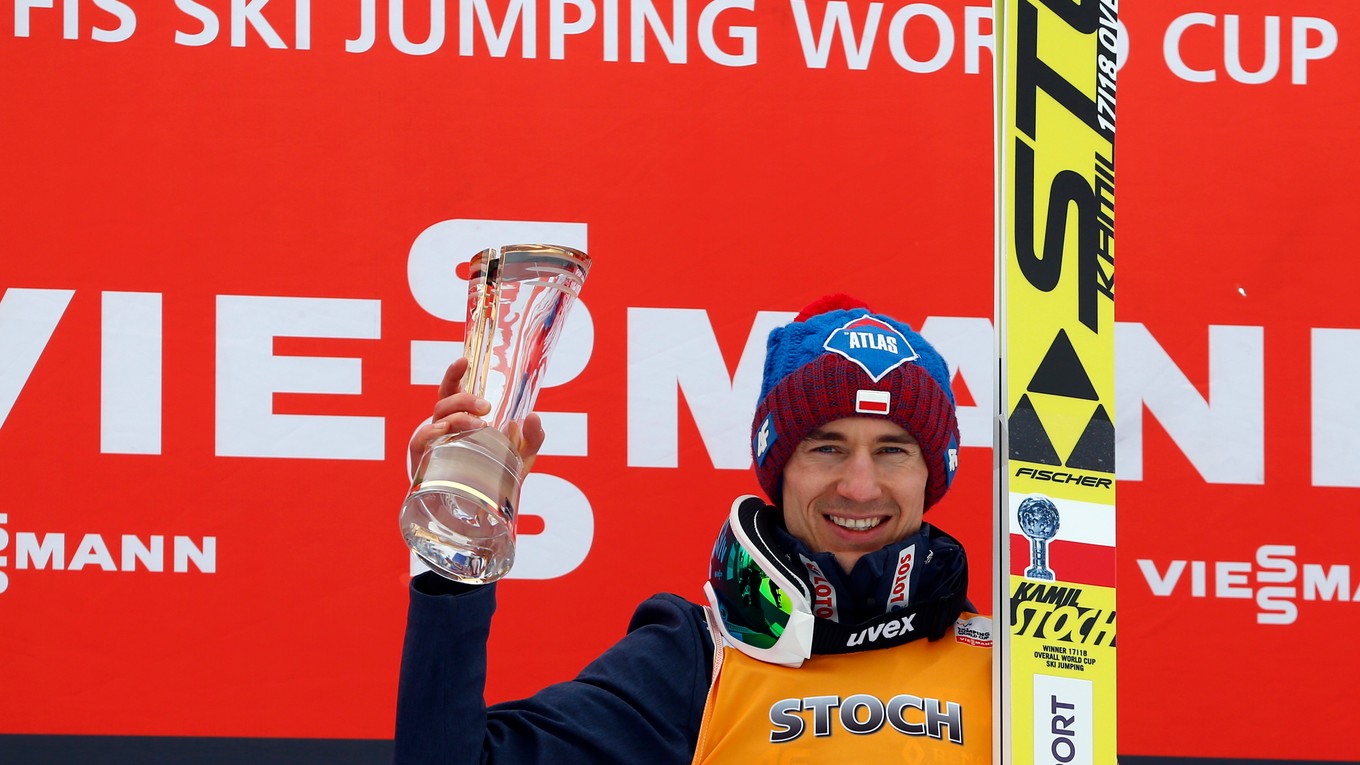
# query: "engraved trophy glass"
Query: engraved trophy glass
{"points": [[459, 516], [1039, 522]]}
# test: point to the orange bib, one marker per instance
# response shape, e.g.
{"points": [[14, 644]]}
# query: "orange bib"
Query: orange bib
{"points": [[922, 702]]}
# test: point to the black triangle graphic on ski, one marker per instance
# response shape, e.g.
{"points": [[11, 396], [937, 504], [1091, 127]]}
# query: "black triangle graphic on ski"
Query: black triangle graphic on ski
{"points": [[1061, 372], [1029, 440], [1095, 448]]}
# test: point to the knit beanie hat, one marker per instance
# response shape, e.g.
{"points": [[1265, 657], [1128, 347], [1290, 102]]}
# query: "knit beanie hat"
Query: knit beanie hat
{"points": [[838, 359]]}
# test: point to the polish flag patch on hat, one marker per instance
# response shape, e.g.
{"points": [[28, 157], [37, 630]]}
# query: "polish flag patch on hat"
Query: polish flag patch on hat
{"points": [[873, 401], [872, 344]]}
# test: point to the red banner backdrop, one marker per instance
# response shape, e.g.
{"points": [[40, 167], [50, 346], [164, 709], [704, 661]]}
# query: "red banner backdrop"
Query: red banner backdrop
{"points": [[230, 233]]}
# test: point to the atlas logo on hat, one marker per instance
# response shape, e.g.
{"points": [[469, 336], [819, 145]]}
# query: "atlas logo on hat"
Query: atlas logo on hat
{"points": [[839, 359], [872, 344]]}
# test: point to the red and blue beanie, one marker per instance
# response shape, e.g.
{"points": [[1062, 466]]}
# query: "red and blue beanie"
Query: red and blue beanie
{"points": [[838, 359]]}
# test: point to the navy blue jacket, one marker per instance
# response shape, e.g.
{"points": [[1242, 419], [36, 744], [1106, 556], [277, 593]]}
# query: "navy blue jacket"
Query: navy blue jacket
{"points": [[640, 701]]}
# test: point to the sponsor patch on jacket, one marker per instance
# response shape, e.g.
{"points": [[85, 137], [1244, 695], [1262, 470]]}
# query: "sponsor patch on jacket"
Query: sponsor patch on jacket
{"points": [[823, 594], [899, 596], [974, 630]]}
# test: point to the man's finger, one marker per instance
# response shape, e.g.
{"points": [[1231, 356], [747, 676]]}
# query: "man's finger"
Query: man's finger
{"points": [[533, 434], [453, 377], [422, 438], [461, 402]]}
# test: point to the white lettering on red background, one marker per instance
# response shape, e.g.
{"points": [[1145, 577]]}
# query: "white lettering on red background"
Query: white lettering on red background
{"points": [[901, 588]]}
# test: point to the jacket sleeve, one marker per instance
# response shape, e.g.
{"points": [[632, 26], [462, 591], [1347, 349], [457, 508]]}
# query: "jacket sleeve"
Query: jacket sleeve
{"points": [[640, 701]]}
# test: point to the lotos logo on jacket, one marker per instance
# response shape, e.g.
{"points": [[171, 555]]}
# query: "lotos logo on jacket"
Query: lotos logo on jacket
{"points": [[901, 588], [872, 344], [823, 594]]}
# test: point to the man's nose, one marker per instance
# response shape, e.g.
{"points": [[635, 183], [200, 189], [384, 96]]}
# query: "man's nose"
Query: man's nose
{"points": [[859, 479]]}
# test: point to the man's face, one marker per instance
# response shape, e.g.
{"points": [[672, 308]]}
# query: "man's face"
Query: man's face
{"points": [[853, 486]]}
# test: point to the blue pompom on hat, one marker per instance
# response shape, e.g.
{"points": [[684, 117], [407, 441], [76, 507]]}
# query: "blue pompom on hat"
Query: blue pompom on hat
{"points": [[839, 359]]}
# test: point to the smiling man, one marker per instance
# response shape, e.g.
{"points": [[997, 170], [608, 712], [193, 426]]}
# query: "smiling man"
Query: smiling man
{"points": [[853, 486], [836, 628]]}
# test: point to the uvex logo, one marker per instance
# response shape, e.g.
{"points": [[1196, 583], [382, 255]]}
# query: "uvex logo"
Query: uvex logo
{"points": [[888, 630]]}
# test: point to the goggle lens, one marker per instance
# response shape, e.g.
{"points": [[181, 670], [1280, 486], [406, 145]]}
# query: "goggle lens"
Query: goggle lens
{"points": [[752, 606]]}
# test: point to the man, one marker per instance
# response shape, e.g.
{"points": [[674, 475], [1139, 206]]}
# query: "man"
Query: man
{"points": [[838, 615]]}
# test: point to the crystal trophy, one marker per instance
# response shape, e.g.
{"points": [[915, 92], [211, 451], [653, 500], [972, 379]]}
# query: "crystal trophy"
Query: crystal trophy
{"points": [[1039, 522], [459, 516]]}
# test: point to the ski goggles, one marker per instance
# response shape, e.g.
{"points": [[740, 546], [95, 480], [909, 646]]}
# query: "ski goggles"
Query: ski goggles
{"points": [[762, 606]]}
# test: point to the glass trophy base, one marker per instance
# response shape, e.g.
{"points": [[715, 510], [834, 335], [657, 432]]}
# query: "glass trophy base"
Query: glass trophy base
{"points": [[460, 515]]}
